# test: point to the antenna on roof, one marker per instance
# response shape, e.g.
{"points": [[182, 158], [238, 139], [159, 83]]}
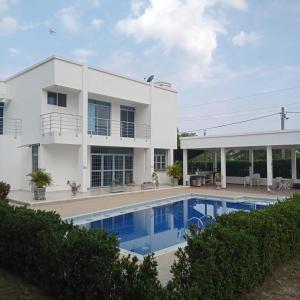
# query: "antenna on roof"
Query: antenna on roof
{"points": [[150, 78], [52, 32]]}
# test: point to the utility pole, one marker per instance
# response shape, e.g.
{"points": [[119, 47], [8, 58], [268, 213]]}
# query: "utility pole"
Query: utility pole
{"points": [[283, 117]]}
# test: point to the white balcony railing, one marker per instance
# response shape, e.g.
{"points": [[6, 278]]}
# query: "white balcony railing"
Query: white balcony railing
{"points": [[60, 123], [9, 126], [108, 127]]}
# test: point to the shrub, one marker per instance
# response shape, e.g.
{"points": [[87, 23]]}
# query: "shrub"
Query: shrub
{"points": [[4, 190], [70, 262], [237, 253]]}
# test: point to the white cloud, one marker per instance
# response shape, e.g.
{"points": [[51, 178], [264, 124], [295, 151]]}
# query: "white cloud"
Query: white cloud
{"points": [[95, 3], [8, 25], [242, 39], [69, 18], [14, 51], [83, 54], [180, 25], [96, 23], [5, 5]]}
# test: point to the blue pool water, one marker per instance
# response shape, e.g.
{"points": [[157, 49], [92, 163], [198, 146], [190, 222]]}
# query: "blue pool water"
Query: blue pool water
{"points": [[152, 228]]}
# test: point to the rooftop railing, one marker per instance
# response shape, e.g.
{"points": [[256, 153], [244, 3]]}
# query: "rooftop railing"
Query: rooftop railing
{"points": [[108, 127], [60, 123], [10, 126]]}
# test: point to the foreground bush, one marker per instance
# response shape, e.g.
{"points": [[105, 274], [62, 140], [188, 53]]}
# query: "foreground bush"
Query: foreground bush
{"points": [[237, 253], [70, 262]]}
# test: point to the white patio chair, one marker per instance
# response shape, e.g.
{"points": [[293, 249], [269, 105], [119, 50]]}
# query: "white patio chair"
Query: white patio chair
{"points": [[256, 179], [247, 180], [277, 182]]}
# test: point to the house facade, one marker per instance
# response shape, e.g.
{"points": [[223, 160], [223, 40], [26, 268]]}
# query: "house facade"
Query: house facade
{"points": [[84, 124]]}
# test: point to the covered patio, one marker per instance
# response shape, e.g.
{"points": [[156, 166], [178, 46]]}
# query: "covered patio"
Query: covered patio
{"points": [[251, 159]]}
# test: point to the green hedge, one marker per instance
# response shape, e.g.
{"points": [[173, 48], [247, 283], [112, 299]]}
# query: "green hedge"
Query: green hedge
{"points": [[69, 262], [237, 253]]}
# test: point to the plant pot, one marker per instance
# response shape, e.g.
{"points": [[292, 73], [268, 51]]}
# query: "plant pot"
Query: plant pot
{"points": [[174, 181], [74, 191], [39, 193]]}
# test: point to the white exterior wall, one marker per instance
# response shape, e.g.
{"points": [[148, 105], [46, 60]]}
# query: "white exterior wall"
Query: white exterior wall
{"points": [[61, 154]]}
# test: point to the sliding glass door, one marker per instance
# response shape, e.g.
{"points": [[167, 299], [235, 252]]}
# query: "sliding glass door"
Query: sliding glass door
{"points": [[99, 117], [110, 165], [127, 121]]}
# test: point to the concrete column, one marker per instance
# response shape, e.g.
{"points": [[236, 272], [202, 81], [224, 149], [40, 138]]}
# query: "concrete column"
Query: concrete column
{"points": [[293, 163], [251, 160], [269, 167], [185, 166], [83, 111], [223, 168], [170, 157], [216, 161], [149, 163]]}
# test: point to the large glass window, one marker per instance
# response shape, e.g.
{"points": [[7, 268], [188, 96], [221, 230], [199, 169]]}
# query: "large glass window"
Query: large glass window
{"points": [[160, 159], [57, 99], [127, 121], [1, 117], [99, 117]]}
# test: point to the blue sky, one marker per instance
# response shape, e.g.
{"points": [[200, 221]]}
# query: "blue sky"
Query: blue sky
{"points": [[210, 50]]}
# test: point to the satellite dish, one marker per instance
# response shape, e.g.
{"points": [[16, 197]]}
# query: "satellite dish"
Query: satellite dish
{"points": [[150, 78]]}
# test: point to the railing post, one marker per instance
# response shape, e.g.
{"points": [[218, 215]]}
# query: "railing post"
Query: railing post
{"points": [[60, 121], [50, 124], [106, 128], [77, 129], [15, 129]]}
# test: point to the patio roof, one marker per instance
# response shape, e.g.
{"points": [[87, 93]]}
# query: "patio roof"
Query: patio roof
{"points": [[276, 139]]}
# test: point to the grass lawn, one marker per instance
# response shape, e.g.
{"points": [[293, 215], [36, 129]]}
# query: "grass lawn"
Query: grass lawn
{"points": [[283, 284], [13, 287]]}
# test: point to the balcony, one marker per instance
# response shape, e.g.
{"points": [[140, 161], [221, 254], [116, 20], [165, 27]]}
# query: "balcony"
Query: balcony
{"points": [[12, 127], [118, 133], [61, 128]]}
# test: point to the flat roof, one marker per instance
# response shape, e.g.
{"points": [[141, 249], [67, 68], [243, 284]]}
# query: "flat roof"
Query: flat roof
{"points": [[53, 57], [290, 137]]}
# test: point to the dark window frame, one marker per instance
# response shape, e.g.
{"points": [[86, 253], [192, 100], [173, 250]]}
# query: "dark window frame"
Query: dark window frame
{"points": [[59, 99]]}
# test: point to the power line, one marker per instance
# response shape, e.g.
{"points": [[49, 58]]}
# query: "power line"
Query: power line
{"points": [[233, 123], [239, 112], [241, 97]]}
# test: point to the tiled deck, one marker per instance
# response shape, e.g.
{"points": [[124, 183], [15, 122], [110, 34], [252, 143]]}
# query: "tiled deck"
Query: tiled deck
{"points": [[95, 200]]}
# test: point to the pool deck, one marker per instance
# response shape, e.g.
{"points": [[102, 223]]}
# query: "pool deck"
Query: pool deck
{"points": [[78, 206]]}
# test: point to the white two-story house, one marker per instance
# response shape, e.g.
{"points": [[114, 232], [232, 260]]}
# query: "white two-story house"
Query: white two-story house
{"points": [[84, 124]]}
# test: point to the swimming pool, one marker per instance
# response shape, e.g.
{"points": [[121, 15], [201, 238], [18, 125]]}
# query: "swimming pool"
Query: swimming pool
{"points": [[160, 225]]}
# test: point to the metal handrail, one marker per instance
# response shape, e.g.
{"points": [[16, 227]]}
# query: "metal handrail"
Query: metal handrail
{"points": [[60, 123], [10, 126], [124, 129], [200, 224]]}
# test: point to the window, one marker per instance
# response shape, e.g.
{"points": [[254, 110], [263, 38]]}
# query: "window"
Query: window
{"points": [[99, 117], [127, 121], [57, 99], [160, 159]]}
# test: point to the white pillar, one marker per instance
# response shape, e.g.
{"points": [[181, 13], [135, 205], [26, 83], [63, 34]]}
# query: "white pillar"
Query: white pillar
{"points": [[223, 168], [269, 167], [149, 163], [294, 163], [83, 111], [185, 166], [216, 161], [251, 160], [170, 157]]}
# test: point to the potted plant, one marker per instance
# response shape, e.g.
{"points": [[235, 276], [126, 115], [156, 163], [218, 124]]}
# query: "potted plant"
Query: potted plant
{"points": [[74, 187], [116, 187], [155, 179], [40, 179], [175, 172], [4, 190]]}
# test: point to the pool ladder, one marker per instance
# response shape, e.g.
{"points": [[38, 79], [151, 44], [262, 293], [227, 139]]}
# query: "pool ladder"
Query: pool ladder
{"points": [[200, 225]]}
